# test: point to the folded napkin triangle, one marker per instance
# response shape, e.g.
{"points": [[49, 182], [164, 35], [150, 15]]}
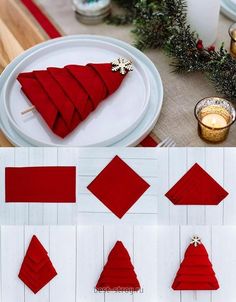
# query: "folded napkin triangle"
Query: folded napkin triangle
{"points": [[196, 187], [195, 272], [118, 186], [65, 97], [118, 274], [36, 270]]}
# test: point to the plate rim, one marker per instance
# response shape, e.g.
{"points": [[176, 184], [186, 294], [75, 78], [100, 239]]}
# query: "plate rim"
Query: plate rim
{"points": [[133, 137], [227, 10]]}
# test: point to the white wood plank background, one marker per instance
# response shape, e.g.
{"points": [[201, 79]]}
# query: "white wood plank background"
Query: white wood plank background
{"points": [[160, 167], [78, 254]]}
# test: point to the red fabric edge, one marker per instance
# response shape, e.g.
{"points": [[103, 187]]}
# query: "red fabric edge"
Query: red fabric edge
{"points": [[52, 32], [148, 142], [42, 19]]}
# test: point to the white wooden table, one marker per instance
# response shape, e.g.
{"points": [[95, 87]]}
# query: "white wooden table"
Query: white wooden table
{"points": [[160, 167], [79, 253]]}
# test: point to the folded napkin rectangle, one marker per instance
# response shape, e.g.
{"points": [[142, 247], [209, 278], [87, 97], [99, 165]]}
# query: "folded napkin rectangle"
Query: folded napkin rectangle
{"points": [[40, 184]]}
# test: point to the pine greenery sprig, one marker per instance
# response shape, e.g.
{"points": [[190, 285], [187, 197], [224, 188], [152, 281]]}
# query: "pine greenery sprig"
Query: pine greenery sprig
{"points": [[163, 24]]}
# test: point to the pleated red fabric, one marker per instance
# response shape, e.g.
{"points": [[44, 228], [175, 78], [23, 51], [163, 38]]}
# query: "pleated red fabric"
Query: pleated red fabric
{"points": [[196, 187], [195, 272], [65, 97], [118, 273], [37, 269], [118, 186]]}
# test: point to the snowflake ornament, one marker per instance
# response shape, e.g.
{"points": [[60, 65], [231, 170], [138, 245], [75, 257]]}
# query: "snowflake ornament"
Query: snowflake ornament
{"points": [[196, 241], [122, 65]]}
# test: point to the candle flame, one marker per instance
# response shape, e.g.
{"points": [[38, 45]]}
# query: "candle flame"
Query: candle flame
{"points": [[214, 121]]}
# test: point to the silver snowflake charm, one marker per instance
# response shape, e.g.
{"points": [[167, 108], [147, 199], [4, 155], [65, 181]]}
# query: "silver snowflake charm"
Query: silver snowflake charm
{"points": [[122, 65], [196, 241]]}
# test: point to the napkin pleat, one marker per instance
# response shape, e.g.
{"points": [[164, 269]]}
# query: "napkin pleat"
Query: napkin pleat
{"points": [[90, 81], [66, 96], [35, 93], [56, 94], [36, 270], [196, 187], [115, 277], [196, 271], [73, 90]]}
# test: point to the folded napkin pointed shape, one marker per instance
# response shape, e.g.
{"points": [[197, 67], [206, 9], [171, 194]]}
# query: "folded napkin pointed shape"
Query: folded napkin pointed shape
{"points": [[196, 187], [65, 97], [195, 272], [36, 270], [118, 187], [118, 274]]}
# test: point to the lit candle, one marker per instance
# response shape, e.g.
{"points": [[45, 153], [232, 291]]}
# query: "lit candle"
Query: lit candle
{"points": [[203, 17], [215, 117], [214, 120]]}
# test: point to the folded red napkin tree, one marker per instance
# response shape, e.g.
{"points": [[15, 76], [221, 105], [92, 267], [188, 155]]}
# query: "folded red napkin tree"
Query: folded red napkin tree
{"points": [[196, 187], [118, 186], [196, 272], [40, 184], [36, 270], [65, 97], [118, 273]]}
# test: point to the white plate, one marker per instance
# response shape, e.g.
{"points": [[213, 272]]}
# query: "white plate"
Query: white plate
{"points": [[228, 8], [110, 122], [134, 137]]}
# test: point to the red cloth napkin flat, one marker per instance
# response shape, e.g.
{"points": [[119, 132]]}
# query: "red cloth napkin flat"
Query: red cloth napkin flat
{"points": [[118, 187], [196, 187], [40, 184], [36, 270], [196, 272], [65, 97], [118, 274]]}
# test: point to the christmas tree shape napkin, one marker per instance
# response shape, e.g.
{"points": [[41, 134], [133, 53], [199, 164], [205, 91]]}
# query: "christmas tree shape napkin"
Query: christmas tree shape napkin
{"points": [[40, 184], [195, 272], [118, 273], [65, 97], [36, 270], [196, 187], [118, 187]]}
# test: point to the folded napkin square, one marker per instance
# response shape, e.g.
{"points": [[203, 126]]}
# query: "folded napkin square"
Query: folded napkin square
{"points": [[118, 273], [40, 184], [196, 187], [118, 187], [36, 270], [65, 97]]}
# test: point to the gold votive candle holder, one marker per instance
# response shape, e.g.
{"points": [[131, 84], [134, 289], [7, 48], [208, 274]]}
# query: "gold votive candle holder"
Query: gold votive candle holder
{"points": [[215, 116], [232, 34]]}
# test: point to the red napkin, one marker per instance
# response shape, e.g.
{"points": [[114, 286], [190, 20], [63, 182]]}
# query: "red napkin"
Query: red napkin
{"points": [[118, 187], [64, 97], [196, 187], [118, 274], [36, 270], [195, 272], [40, 184]]}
